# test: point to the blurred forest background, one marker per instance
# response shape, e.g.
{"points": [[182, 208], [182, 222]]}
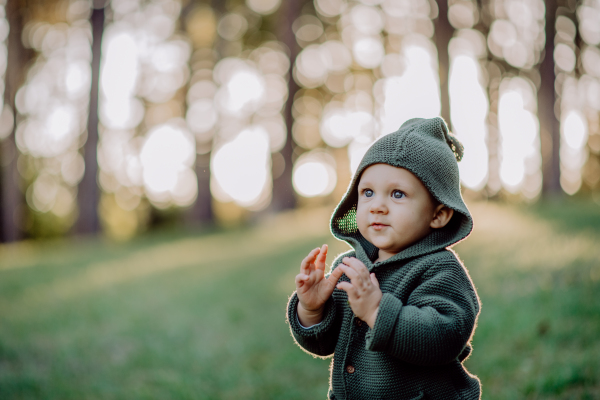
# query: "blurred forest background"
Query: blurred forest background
{"points": [[119, 116], [210, 140]]}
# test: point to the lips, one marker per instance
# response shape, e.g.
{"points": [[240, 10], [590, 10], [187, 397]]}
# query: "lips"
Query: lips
{"points": [[378, 226]]}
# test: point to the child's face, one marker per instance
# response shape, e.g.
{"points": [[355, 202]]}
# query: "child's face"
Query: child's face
{"points": [[394, 209]]}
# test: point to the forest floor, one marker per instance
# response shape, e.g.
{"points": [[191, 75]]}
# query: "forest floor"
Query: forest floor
{"points": [[201, 315]]}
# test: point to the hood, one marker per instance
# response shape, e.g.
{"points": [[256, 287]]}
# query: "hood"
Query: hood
{"points": [[426, 148]]}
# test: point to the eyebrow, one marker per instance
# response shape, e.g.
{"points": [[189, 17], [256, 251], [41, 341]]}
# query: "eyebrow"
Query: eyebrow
{"points": [[369, 183]]}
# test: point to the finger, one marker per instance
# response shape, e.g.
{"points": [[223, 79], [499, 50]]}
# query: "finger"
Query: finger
{"points": [[335, 275], [301, 280], [349, 271], [313, 254], [346, 287], [322, 257], [356, 264], [350, 291], [317, 274], [361, 272], [305, 265], [374, 280]]}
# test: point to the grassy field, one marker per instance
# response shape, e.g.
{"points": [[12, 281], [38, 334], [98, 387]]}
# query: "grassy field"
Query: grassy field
{"points": [[202, 316]]}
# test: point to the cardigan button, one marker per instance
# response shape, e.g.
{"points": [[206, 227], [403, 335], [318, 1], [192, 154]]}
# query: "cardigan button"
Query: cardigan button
{"points": [[350, 369], [358, 321]]}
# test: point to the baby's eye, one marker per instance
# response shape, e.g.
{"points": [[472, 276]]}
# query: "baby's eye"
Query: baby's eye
{"points": [[368, 193], [397, 194]]}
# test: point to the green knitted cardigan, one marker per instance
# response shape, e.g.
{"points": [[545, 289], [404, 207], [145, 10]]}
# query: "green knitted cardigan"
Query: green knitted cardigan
{"points": [[429, 307]]}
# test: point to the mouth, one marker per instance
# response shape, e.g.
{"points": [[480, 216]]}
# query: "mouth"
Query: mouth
{"points": [[378, 226]]}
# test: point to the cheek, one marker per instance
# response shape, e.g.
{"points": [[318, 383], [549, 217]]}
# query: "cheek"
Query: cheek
{"points": [[361, 217]]}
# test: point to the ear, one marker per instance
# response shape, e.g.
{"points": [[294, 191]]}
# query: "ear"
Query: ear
{"points": [[441, 216]]}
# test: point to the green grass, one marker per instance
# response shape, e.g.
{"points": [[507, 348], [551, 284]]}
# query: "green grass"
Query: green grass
{"points": [[538, 276], [202, 316]]}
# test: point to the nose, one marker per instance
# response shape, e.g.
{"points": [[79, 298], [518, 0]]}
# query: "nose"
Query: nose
{"points": [[378, 206]]}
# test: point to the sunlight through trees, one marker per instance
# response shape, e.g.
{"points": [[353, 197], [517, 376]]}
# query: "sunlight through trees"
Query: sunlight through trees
{"points": [[213, 111]]}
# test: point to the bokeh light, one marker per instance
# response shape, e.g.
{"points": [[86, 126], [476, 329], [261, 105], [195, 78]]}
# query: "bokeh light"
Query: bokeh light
{"points": [[53, 103], [241, 168], [469, 108], [579, 95], [249, 94], [463, 14], [588, 14], [339, 126], [314, 174], [4, 29], [517, 33], [201, 116], [330, 8], [232, 26], [574, 130], [242, 86], [590, 59], [307, 29], [573, 153], [311, 67], [166, 158], [368, 52], [306, 131], [169, 97], [564, 57], [357, 149], [146, 151], [264, 7], [520, 158], [376, 69], [415, 93]]}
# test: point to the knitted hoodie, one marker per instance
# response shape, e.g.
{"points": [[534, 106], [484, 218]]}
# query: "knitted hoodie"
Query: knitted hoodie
{"points": [[429, 307]]}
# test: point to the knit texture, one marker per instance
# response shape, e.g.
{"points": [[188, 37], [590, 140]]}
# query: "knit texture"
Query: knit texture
{"points": [[429, 307], [428, 150]]}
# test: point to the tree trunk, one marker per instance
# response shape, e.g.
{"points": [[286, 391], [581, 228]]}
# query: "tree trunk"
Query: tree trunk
{"points": [[549, 124], [201, 213], [443, 34], [283, 190], [494, 183], [11, 198], [88, 193]]}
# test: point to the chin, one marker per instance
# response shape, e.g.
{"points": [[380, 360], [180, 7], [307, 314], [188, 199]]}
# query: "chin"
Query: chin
{"points": [[382, 246]]}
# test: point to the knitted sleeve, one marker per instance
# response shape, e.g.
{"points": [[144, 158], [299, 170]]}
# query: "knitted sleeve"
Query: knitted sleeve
{"points": [[319, 340], [435, 324]]}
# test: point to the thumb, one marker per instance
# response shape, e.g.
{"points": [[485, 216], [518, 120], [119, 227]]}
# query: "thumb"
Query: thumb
{"points": [[335, 276], [374, 280]]}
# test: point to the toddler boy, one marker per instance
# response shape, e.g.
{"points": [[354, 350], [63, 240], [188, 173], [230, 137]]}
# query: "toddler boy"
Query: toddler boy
{"points": [[398, 311]]}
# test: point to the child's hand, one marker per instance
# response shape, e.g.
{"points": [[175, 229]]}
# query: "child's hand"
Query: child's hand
{"points": [[312, 288], [363, 290]]}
